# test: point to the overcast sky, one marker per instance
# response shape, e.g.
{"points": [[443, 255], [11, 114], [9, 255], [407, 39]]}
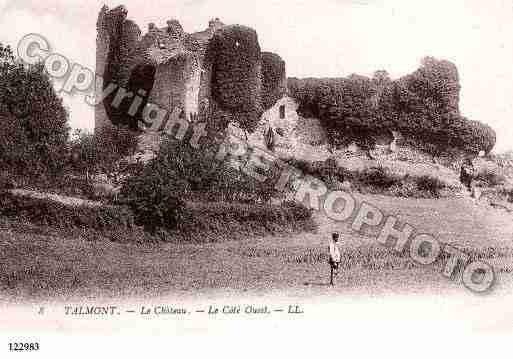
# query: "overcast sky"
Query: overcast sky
{"points": [[315, 38]]}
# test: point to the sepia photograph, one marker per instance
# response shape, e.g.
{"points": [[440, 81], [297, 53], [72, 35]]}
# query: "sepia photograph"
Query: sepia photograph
{"points": [[180, 172]]}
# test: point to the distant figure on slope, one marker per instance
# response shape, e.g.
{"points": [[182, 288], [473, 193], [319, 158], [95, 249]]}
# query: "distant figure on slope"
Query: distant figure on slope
{"points": [[270, 139], [467, 174], [334, 256]]}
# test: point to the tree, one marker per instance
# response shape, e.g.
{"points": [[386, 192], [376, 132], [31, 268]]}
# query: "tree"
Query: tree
{"points": [[34, 130]]}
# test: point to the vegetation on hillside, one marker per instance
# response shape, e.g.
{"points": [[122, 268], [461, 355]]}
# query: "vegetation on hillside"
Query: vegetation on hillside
{"points": [[181, 173], [375, 179]]}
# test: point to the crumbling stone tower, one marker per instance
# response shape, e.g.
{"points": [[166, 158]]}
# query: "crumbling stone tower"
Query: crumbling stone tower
{"points": [[221, 67]]}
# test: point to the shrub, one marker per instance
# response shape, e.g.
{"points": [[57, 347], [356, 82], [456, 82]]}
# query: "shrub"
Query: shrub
{"points": [[326, 171], [302, 165], [430, 184], [191, 166], [236, 185], [378, 178], [406, 188], [154, 195], [298, 210], [217, 179], [374, 179], [157, 193]]}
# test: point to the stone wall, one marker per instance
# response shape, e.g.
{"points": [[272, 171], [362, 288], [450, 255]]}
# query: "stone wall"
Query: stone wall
{"points": [[169, 86], [192, 87], [182, 75]]}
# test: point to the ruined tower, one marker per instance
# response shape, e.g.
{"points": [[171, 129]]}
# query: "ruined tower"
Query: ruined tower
{"points": [[220, 72]]}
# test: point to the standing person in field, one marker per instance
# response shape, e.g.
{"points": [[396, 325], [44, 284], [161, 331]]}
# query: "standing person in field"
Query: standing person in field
{"points": [[467, 174], [334, 256]]}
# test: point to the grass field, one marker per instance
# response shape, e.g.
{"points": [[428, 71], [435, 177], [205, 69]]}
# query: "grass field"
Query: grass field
{"points": [[37, 265]]}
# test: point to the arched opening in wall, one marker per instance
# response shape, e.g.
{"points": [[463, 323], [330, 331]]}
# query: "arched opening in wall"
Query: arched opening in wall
{"points": [[140, 83]]}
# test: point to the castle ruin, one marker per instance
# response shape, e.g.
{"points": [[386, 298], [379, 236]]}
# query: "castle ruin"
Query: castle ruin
{"points": [[190, 71], [220, 71]]}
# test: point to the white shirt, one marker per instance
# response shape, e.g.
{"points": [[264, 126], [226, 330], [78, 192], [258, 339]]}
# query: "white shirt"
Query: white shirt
{"points": [[334, 251]]}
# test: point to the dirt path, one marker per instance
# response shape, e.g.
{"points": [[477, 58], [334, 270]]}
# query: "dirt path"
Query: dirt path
{"points": [[69, 201]]}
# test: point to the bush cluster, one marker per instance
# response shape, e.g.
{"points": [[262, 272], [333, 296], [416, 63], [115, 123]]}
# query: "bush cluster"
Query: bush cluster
{"points": [[373, 179], [154, 195], [298, 211], [430, 185], [378, 177], [327, 171]]}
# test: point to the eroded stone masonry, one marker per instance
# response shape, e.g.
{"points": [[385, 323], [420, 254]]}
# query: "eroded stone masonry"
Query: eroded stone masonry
{"points": [[221, 67]]}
